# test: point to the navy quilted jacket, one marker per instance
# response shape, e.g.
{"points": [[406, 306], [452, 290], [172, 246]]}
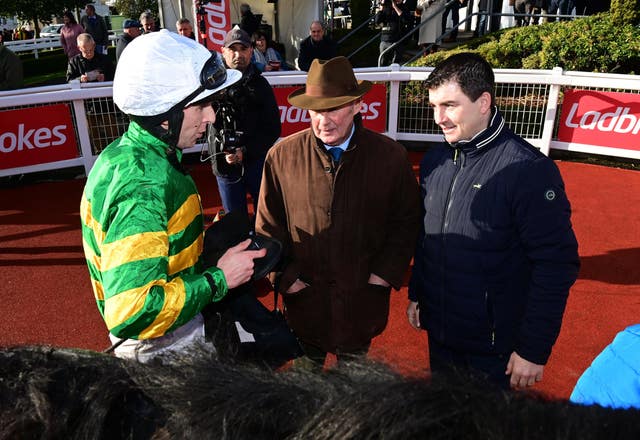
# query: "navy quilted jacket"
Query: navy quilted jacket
{"points": [[497, 254]]}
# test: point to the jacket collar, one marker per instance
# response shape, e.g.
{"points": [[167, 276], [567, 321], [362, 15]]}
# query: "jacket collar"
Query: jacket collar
{"points": [[140, 136], [486, 136]]}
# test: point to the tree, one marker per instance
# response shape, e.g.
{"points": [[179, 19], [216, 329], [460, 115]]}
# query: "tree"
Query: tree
{"points": [[37, 10], [133, 8]]}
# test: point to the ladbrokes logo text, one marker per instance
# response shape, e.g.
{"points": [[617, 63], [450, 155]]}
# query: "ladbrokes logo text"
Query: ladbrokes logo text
{"points": [[217, 23], [606, 119], [32, 138], [36, 135]]}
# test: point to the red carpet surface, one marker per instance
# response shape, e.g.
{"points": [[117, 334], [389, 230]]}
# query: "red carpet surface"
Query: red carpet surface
{"points": [[46, 296]]}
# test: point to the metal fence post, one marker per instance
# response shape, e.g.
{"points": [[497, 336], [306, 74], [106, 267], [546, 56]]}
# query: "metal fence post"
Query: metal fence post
{"points": [[550, 114], [82, 125], [393, 105]]}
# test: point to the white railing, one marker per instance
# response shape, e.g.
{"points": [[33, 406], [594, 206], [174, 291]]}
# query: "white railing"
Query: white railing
{"points": [[38, 44], [33, 44], [530, 100]]}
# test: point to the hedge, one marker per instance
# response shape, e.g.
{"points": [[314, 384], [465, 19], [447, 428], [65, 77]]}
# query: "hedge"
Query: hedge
{"points": [[590, 44]]}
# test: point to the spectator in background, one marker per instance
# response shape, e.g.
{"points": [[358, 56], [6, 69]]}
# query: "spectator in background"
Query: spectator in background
{"points": [[148, 22], [316, 45], [535, 9], [19, 33], [412, 7], [265, 57], [430, 32], [481, 21], [454, 8], [95, 26], [394, 18], [89, 65], [185, 28], [7, 34], [11, 75], [69, 34], [92, 66], [29, 33], [248, 21], [519, 7], [561, 7], [130, 30]]}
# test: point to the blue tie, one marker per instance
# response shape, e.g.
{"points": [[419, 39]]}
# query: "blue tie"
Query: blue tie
{"points": [[336, 153]]}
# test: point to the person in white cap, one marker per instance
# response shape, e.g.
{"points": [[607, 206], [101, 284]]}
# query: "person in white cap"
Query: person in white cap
{"points": [[142, 221]]}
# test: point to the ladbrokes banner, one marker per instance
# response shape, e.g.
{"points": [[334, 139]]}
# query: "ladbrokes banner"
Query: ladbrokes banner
{"points": [[213, 23], [606, 119], [36, 135], [294, 119]]}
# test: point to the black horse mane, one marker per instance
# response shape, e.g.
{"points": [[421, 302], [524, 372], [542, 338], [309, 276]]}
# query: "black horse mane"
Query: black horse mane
{"points": [[54, 393]]}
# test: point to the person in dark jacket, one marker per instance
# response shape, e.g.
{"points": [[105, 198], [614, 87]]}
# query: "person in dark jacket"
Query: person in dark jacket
{"points": [[130, 30], [316, 45], [11, 72], [185, 28], [253, 114], [344, 202], [497, 253], [89, 65], [148, 22], [394, 18], [95, 25], [248, 21]]}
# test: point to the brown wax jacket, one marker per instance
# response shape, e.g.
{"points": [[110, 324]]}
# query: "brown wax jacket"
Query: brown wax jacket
{"points": [[338, 225]]}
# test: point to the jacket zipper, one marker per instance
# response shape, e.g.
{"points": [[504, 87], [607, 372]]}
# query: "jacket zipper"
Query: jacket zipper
{"points": [[448, 204], [452, 187], [490, 316]]}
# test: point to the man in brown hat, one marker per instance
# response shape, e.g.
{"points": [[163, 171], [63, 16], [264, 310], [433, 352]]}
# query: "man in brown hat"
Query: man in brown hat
{"points": [[345, 203]]}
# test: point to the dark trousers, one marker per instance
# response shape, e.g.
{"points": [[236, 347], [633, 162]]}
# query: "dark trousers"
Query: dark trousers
{"points": [[233, 189], [455, 19], [481, 25], [562, 7], [491, 367]]}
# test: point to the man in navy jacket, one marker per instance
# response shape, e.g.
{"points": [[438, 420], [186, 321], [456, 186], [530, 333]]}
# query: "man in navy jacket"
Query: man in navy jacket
{"points": [[497, 254]]}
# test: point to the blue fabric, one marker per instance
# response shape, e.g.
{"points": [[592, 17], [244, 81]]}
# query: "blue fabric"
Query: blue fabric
{"points": [[234, 189], [613, 379], [336, 153]]}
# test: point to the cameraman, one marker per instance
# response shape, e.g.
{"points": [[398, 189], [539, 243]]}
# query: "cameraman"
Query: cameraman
{"points": [[256, 116]]}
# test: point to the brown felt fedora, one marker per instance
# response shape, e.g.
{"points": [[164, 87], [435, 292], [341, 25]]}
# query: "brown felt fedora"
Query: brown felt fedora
{"points": [[330, 83]]}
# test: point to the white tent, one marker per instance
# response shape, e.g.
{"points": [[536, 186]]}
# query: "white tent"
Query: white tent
{"points": [[293, 17]]}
